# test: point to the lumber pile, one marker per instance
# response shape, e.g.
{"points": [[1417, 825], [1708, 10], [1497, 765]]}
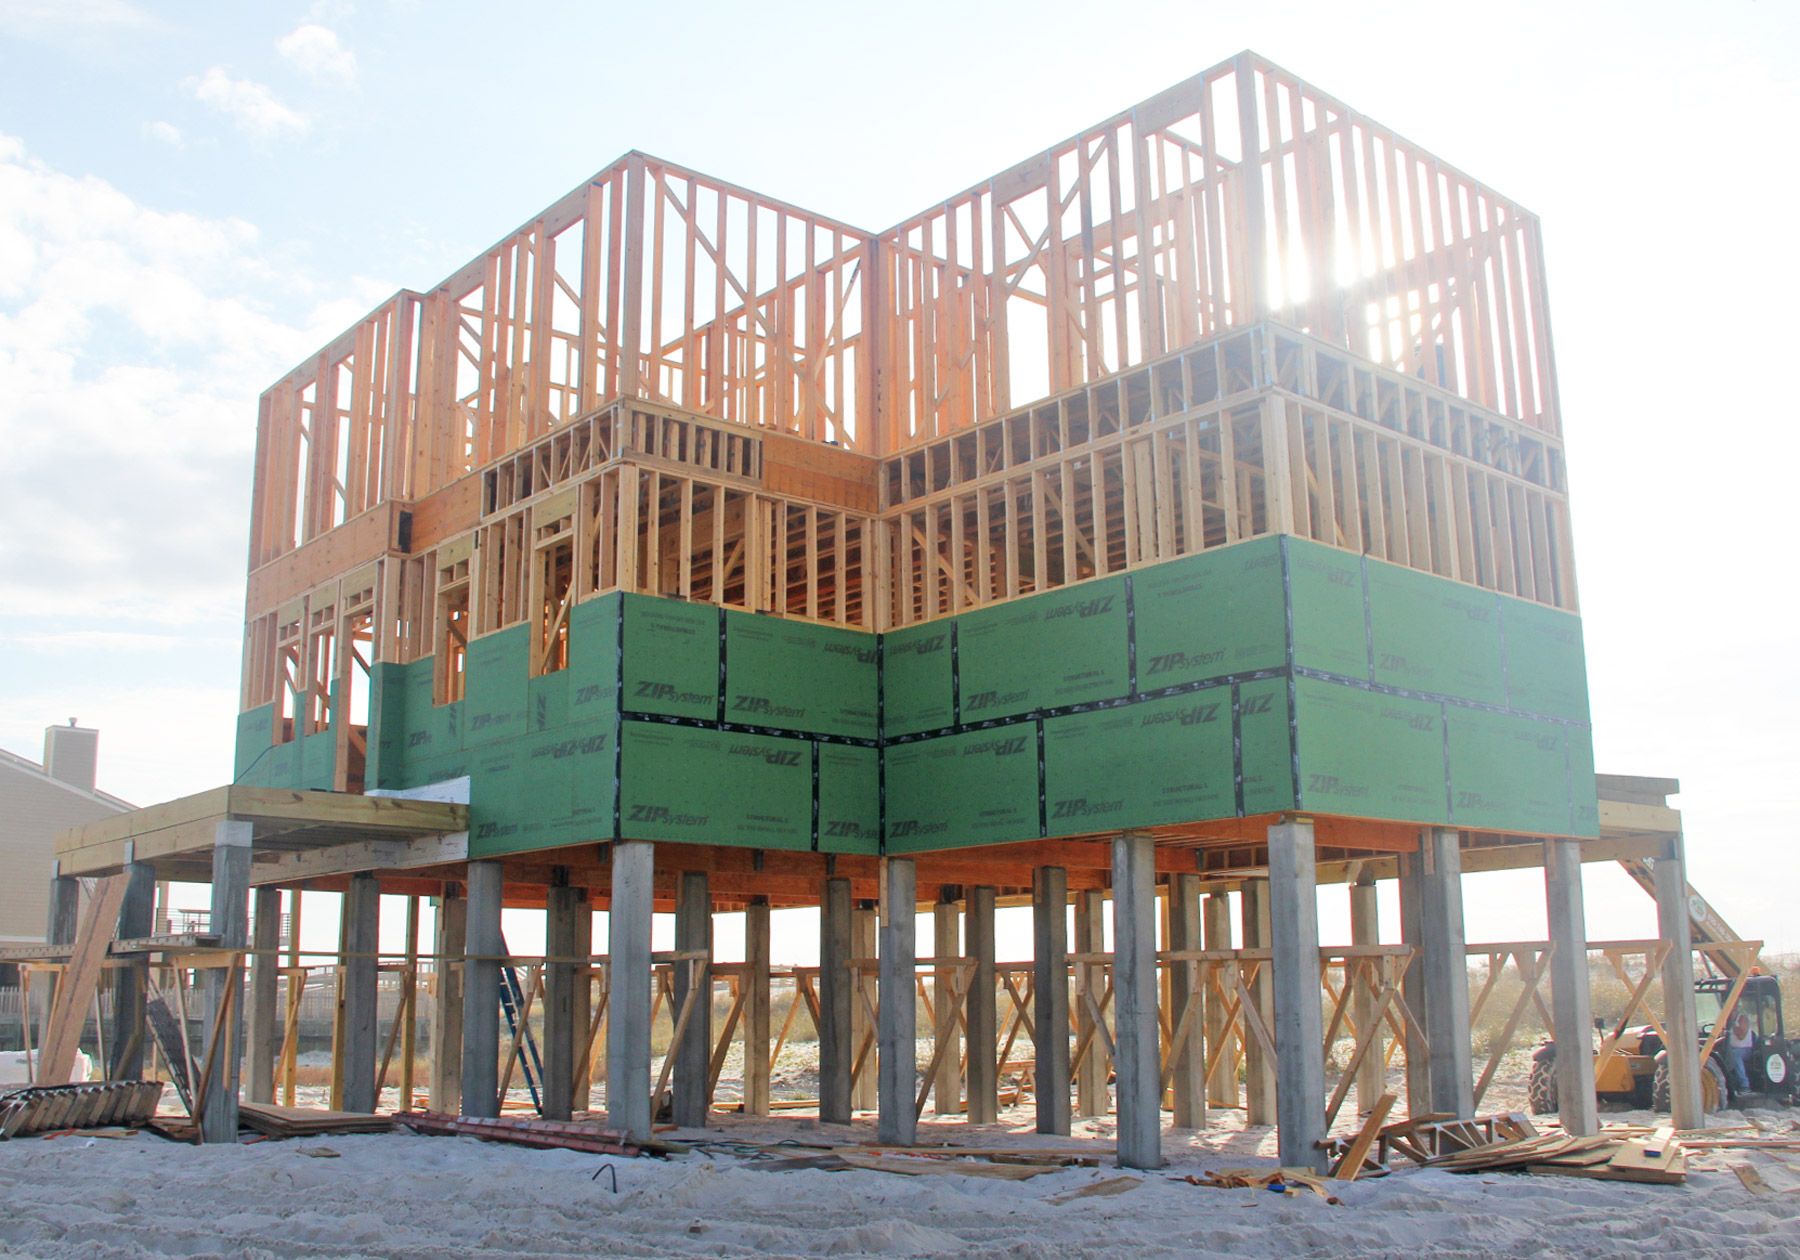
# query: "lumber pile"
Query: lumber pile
{"points": [[569, 1135], [293, 1122], [39, 1109], [1005, 1163], [1658, 1159]]}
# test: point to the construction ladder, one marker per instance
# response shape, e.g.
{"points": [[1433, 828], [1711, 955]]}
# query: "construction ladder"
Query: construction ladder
{"points": [[512, 1002]]}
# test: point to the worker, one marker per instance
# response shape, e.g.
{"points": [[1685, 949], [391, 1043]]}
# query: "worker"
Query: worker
{"points": [[1741, 1042]]}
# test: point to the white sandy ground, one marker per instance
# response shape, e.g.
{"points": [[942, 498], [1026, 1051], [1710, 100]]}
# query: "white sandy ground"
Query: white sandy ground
{"points": [[409, 1196]]}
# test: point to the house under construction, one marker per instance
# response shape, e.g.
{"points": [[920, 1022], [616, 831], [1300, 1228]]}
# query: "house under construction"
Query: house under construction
{"points": [[1178, 517]]}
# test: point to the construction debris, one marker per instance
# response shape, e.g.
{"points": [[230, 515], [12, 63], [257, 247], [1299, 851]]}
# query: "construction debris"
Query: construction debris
{"points": [[1287, 1181], [1097, 1190], [38, 1109], [293, 1122], [1355, 1159]]}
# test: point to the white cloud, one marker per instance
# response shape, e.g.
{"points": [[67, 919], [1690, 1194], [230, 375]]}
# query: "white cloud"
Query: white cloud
{"points": [[134, 344], [41, 19], [166, 133], [250, 105], [317, 52]]}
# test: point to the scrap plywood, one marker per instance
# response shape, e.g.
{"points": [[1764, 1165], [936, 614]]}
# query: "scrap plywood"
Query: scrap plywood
{"points": [[79, 981]]}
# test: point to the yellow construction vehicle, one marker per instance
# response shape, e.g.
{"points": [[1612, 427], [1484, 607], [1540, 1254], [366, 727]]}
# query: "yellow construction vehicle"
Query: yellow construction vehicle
{"points": [[1631, 1064]]}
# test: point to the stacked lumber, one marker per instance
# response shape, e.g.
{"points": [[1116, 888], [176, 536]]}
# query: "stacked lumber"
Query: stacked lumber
{"points": [[292, 1122], [1658, 1159], [570, 1135], [1006, 1163], [54, 1108]]}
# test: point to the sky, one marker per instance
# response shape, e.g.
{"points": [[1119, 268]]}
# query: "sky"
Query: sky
{"points": [[193, 196]]}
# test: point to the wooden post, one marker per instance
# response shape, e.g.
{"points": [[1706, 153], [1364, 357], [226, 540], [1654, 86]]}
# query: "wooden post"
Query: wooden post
{"points": [[898, 1120], [1259, 1068], [223, 986], [1138, 1061], [978, 933], [1184, 993], [64, 921], [946, 944], [1446, 967], [562, 1035], [1220, 1044], [1680, 1018], [483, 945], [1299, 1022], [693, 1056], [865, 930], [265, 969], [409, 1005], [295, 991], [1570, 1000], [1365, 929], [137, 917], [1050, 1003], [581, 1005], [628, 1108], [448, 943], [836, 1053], [362, 916], [1090, 982], [756, 1007], [1413, 988]]}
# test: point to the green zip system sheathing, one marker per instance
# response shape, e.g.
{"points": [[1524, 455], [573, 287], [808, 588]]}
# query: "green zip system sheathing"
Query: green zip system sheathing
{"points": [[1272, 675]]}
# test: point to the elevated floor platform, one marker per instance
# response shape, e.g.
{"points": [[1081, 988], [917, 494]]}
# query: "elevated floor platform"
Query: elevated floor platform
{"points": [[287, 831]]}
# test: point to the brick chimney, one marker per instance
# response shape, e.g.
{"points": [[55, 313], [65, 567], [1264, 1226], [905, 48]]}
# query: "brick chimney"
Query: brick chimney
{"points": [[70, 754]]}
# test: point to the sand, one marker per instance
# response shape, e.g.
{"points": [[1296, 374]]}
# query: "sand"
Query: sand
{"points": [[402, 1195]]}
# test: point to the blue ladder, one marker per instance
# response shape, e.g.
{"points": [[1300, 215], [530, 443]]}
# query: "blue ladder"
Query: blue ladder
{"points": [[512, 1001]]}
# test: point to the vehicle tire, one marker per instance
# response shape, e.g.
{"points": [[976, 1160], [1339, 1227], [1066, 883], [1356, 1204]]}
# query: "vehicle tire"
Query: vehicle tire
{"points": [[1540, 1086], [1712, 1086], [1714, 1096]]}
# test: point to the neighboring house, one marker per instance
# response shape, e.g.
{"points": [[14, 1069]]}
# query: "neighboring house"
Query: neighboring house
{"points": [[37, 803]]}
